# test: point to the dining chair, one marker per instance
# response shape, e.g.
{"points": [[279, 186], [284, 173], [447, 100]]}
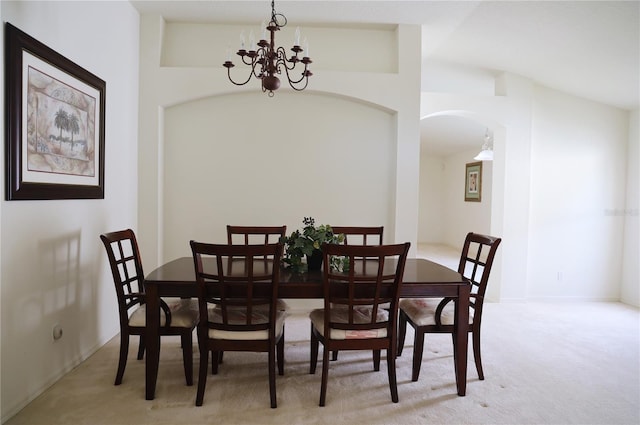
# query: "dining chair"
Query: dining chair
{"points": [[358, 235], [353, 317], [179, 317], [436, 315], [237, 289], [250, 235]]}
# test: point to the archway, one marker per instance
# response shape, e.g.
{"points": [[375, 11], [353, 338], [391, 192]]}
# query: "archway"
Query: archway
{"points": [[449, 140]]}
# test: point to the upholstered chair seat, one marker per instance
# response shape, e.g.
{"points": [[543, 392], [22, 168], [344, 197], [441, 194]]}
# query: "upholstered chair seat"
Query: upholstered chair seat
{"points": [[422, 311], [238, 316], [340, 314], [184, 313]]}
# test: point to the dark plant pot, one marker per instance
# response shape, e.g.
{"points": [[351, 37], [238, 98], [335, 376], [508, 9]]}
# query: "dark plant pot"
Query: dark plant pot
{"points": [[314, 261]]}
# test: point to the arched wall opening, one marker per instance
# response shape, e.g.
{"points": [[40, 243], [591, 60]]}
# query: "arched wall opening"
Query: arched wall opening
{"points": [[444, 217], [395, 99], [237, 159]]}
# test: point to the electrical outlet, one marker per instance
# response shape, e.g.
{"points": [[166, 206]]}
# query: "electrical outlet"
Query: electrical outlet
{"points": [[57, 332]]}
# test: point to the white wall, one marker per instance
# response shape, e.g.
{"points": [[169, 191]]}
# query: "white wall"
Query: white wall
{"points": [[217, 172], [630, 291], [543, 140], [578, 177], [445, 217], [53, 268], [432, 192], [462, 217]]}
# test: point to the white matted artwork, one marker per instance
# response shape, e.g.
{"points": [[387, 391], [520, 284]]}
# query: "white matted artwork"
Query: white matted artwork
{"points": [[473, 182]]}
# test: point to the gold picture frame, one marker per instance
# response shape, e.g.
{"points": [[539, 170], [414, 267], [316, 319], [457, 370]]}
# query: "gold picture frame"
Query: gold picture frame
{"points": [[473, 182]]}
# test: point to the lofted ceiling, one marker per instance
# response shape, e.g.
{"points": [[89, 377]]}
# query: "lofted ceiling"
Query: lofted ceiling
{"points": [[589, 49]]}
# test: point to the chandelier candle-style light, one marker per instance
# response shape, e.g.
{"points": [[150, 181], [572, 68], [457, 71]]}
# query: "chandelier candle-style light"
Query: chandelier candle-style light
{"points": [[268, 61]]}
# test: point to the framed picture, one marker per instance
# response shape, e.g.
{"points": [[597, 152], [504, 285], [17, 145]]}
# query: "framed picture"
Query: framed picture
{"points": [[473, 182], [54, 123]]}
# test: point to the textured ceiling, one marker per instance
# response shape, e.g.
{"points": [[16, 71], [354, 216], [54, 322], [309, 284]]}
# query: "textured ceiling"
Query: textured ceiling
{"points": [[589, 49]]}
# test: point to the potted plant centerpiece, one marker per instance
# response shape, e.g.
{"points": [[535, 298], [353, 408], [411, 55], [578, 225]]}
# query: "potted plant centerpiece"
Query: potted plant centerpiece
{"points": [[307, 244]]}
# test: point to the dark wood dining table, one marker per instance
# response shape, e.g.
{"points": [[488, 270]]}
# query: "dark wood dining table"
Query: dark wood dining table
{"points": [[422, 278]]}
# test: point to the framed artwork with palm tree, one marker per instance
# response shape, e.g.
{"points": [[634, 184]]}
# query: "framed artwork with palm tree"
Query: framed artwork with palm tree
{"points": [[55, 113]]}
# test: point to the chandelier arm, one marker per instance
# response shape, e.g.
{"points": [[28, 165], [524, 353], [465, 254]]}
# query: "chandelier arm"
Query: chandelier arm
{"points": [[282, 59], [251, 74], [306, 81], [292, 81], [244, 60], [282, 62]]}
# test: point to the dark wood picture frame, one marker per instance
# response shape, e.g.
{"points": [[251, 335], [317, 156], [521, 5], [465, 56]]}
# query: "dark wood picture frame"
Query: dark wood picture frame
{"points": [[54, 123], [473, 182]]}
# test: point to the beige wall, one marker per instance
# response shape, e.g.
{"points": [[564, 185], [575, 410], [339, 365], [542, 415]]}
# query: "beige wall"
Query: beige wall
{"points": [[329, 158], [53, 269]]}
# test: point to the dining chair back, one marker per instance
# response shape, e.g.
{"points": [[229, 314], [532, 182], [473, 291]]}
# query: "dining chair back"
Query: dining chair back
{"points": [[237, 289], [255, 235], [360, 235], [179, 317], [354, 316], [433, 315]]}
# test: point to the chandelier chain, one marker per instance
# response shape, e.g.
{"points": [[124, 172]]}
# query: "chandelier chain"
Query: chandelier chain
{"points": [[274, 16]]}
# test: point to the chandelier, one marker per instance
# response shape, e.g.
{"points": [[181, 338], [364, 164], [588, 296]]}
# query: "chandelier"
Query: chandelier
{"points": [[267, 61]]}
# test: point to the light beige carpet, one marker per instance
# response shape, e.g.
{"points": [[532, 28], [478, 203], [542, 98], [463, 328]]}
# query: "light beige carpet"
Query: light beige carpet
{"points": [[544, 364]]}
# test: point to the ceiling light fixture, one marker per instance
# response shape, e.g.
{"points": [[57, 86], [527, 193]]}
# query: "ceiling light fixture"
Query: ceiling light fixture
{"points": [[268, 61], [486, 154]]}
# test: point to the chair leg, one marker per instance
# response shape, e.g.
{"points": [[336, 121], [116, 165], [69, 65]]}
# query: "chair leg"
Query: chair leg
{"points": [[325, 375], [476, 353], [215, 361], [402, 331], [124, 351], [334, 355], [391, 371], [202, 376], [455, 356], [376, 360], [213, 366], [272, 377], [280, 348], [187, 356], [313, 361], [141, 346], [418, 345]]}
